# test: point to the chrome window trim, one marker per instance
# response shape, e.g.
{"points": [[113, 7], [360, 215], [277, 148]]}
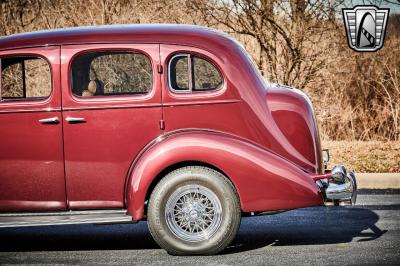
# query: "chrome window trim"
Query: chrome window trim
{"points": [[110, 50], [190, 90]]}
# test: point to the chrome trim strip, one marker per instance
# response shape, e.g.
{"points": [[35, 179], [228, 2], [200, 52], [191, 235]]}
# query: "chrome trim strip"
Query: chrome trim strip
{"points": [[116, 106], [62, 213], [62, 218], [33, 110], [202, 102]]}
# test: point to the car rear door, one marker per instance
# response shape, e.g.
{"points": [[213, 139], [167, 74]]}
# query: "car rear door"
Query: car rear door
{"points": [[111, 110], [31, 149]]}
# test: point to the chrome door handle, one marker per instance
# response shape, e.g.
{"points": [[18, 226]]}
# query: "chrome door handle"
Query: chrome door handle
{"points": [[75, 120], [51, 120]]}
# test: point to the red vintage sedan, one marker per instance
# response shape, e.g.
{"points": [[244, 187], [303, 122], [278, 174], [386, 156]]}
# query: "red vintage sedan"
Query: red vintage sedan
{"points": [[169, 123]]}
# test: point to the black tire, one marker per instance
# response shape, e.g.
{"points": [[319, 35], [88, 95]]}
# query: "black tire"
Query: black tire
{"points": [[208, 180]]}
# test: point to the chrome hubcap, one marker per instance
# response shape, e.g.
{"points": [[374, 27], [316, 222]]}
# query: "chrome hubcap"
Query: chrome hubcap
{"points": [[193, 213]]}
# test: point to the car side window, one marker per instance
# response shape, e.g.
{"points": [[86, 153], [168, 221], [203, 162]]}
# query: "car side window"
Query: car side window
{"points": [[108, 73], [25, 78], [179, 73], [189, 73]]}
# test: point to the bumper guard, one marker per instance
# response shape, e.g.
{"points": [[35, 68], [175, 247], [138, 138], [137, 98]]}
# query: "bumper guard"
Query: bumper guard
{"points": [[339, 187]]}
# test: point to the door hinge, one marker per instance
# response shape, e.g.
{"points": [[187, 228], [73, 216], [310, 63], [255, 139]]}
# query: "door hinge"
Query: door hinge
{"points": [[162, 124], [159, 69]]}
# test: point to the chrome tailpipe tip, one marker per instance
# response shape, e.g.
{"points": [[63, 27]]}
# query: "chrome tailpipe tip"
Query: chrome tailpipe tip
{"points": [[342, 187]]}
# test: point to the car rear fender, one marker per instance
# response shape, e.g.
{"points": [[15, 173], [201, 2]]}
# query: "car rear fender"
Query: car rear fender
{"points": [[264, 181]]}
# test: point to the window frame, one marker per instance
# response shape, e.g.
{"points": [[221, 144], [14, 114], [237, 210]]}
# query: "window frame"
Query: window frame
{"points": [[109, 97], [189, 56], [22, 99]]}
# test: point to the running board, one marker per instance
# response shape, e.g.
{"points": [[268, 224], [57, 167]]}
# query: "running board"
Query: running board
{"points": [[64, 217]]}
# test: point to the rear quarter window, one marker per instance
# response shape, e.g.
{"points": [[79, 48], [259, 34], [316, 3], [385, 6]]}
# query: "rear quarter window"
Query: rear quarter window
{"points": [[191, 73]]}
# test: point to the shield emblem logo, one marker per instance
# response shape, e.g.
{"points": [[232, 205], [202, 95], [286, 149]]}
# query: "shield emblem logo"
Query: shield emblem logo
{"points": [[365, 27]]}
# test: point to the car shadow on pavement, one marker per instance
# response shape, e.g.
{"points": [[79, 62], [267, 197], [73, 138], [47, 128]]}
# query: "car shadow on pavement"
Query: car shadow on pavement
{"points": [[309, 226], [77, 237]]}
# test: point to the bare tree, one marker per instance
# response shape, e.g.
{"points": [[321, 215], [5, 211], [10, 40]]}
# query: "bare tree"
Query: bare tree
{"points": [[295, 42], [287, 34], [16, 15], [27, 15]]}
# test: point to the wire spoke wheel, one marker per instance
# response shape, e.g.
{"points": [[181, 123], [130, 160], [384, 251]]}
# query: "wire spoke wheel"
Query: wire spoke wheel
{"points": [[194, 210], [193, 213]]}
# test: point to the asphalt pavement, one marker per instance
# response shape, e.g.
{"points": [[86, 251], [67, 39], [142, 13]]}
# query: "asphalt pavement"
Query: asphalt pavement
{"points": [[368, 233]]}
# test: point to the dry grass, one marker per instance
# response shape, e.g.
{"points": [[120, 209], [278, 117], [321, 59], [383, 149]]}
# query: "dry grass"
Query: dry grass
{"points": [[365, 156]]}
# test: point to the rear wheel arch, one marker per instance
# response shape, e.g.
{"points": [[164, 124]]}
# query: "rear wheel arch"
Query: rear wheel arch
{"points": [[177, 166], [262, 180]]}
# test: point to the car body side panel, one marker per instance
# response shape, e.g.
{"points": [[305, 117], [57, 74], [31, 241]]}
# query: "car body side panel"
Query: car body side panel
{"points": [[99, 152], [31, 153], [241, 106], [293, 114], [257, 145], [264, 181]]}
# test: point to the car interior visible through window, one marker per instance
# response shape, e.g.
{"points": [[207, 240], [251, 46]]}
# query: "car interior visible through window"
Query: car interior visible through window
{"points": [[109, 73]]}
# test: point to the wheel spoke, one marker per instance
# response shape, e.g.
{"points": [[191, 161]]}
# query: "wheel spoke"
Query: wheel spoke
{"points": [[192, 210]]}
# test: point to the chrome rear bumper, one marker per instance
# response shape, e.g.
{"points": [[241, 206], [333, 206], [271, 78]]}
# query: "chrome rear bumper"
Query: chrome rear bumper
{"points": [[340, 187]]}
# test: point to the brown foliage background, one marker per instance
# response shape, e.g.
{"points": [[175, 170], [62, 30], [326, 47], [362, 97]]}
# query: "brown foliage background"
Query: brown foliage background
{"points": [[295, 42]]}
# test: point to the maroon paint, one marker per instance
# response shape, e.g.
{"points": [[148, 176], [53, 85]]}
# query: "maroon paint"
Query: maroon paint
{"points": [[264, 181], [98, 153], [265, 139], [31, 156]]}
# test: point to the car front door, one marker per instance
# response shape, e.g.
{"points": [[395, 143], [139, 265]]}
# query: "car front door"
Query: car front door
{"points": [[111, 110], [31, 148]]}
